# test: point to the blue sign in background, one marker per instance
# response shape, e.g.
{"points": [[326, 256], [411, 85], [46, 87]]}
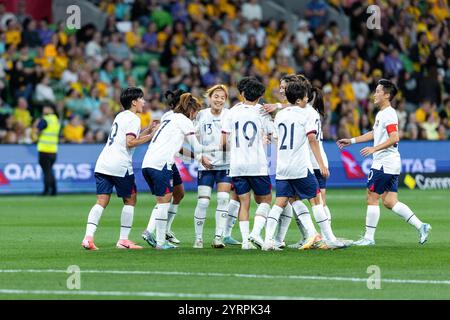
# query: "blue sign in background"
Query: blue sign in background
{"points": [[20, 171]]}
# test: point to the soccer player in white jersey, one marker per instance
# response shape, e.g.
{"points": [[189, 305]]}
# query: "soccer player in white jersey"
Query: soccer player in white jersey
{"points": [[114, 169], [159, 158], [295, 178], [213, 167], [173, 99], [383, 177], [314, 106], [246, 128]]}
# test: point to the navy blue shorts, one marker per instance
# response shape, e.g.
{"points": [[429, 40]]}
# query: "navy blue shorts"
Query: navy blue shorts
{"points": [[125, 186], [380, 182], [209, 177], [305, 188], [260, 185], [159, 181], [320, 179], [176, 175]]}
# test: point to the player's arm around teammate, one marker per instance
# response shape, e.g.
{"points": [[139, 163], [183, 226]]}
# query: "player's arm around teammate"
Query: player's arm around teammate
{"points": [[159, 159], [248, 163], [114, 169], [294, 178]]}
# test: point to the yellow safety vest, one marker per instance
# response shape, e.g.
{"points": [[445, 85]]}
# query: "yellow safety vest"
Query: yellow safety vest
{"points": [[49, 137]]}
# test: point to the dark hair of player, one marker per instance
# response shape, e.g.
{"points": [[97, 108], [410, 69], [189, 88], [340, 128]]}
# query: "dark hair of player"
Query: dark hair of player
{"points": [[173, 97], [128, 95], [243, 82], [315, 95], [296, 90], [388, 87], [253, 90], [187, 104]]}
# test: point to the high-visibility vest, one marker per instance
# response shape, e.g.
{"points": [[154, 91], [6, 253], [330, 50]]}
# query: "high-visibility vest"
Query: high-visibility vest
{"points": [[49, 137]]}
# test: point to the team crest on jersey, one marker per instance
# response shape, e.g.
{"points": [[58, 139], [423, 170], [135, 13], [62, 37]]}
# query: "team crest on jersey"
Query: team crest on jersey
{"points": [[377, 123]]}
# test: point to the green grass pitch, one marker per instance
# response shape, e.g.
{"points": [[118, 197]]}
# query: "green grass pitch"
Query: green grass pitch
{"points": [[40, 238]]}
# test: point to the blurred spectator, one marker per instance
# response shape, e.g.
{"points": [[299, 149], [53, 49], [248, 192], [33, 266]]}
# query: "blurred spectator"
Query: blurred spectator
{"points": [[360, 87], [100, 122], [73, 131], [93, 49], [431, 127], [412, 128], [117, 49], [44, 91], [316, 11], [402, 118], [252, 10], [44, 32], [303, 34], [30, 37], [22, 114]]}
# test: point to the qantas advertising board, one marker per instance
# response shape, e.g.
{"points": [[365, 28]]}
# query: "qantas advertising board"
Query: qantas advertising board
{"points": [[425, 165]]}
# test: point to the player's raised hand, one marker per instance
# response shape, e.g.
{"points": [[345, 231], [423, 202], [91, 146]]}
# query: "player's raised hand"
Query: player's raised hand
{"points": [[367, 151], [206, 163], [269, 108], [342, 143]]}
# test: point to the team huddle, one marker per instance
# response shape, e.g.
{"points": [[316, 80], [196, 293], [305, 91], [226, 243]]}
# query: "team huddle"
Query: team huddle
{"points": [[230, 146]]}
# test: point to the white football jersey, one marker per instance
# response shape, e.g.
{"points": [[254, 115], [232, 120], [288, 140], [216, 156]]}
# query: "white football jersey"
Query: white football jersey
{"points": [[386, 120], [116, 158], [209, 128], [247, 127], [167, 141], [292, 126], [315, 118]]}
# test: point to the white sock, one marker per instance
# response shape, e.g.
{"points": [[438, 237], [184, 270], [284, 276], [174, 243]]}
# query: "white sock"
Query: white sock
{"points": [[300, 209], [151, 227], [245, 230], [126, 221], [93, 219], [161, 222], [284, 222], [200, 217], [233, 211], [260, 219], [322, 221], [304, 218], [328, 213], [372, 217], [171, 215], [272, 222], [221, 212], [406, 213]]}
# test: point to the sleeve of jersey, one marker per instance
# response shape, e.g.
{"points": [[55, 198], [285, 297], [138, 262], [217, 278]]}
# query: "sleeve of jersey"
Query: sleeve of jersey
{"points": [[226, 124], [187, 127], [134, 128], [310, 126], [391, 123], [197, 123]]}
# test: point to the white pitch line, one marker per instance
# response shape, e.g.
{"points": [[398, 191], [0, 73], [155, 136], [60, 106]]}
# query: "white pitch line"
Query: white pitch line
{"points": [[232, 275], [157, 294]]}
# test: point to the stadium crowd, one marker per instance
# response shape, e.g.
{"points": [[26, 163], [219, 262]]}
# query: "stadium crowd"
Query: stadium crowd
{"points": [[194, 44]]}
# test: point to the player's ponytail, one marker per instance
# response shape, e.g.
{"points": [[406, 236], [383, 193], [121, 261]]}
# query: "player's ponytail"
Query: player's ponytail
{"points": [[173, 97], [317, 101], [187, 104]]}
